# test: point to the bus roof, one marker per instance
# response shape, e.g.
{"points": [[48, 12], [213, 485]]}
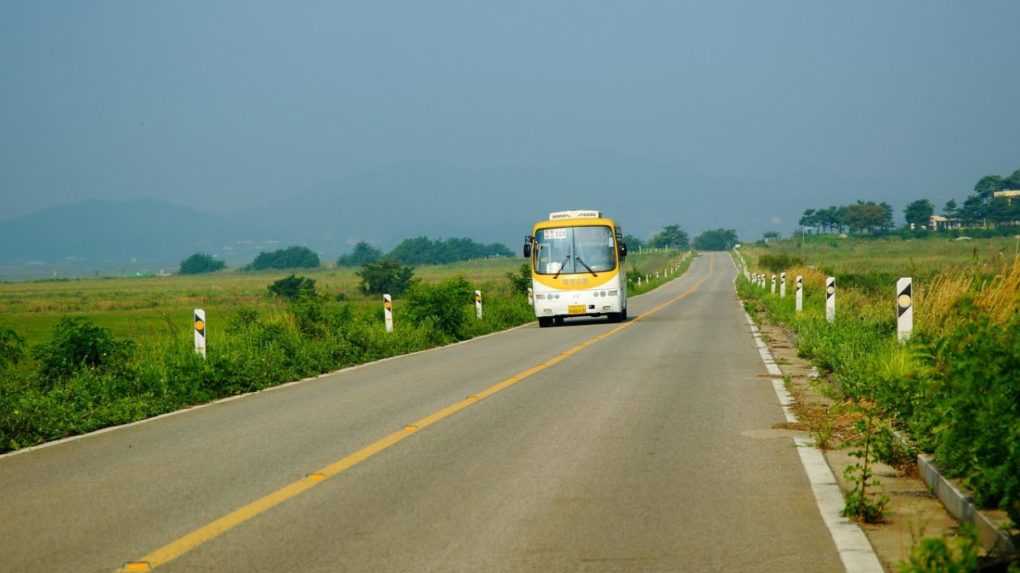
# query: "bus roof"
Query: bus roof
{"points": [[575, 222]]}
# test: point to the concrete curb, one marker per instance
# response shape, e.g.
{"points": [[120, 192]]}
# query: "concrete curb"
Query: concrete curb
{"points": [[961, 506]]}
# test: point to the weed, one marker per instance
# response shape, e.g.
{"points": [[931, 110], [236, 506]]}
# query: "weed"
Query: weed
{"points": [[860, 504]]}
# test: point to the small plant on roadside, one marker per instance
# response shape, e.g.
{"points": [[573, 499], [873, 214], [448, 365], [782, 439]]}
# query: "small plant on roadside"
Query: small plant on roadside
{"points": [[860, 504], [442, 305], [938, 555]]}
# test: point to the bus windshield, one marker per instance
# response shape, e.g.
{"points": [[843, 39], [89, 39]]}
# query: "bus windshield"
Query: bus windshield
{"points": [[573, 250]]}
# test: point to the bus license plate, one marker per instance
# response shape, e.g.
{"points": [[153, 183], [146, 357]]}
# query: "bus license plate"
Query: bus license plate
{"points": [[576, 309]]}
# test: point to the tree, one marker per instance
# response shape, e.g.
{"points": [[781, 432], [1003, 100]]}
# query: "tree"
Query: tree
{"points": [[425, 251], [200, 263], [716, 240], [385, 277], [671, 237], [289, 258], [771, 236], [988, 185], [950, 210], [809, 219], [293, 288], [919, 212], [362, 253], [633, 242]]}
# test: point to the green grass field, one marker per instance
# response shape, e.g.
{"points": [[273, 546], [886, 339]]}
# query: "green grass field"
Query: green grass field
{"points": [[894, 254], [150, 307]]}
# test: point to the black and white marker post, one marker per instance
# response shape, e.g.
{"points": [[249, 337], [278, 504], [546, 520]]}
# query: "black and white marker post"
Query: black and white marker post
{"points": [[478, 304], [200, 331], [830, 299], [773, 283], [800, 293], [387, 302], [782, 284], [904, 309]]}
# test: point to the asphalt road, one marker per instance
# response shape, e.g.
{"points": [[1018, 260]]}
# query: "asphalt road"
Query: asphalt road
{"points": [[648, 449]]}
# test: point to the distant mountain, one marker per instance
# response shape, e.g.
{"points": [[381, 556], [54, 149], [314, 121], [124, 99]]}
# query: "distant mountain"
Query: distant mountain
{"points": [[105, 232]]}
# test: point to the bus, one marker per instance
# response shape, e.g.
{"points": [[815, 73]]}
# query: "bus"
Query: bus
{"points": [[577, 267]]}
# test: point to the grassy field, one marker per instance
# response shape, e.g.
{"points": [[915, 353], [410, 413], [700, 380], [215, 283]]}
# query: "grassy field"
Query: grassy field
{"points": [[954, 388], [151, 307]]}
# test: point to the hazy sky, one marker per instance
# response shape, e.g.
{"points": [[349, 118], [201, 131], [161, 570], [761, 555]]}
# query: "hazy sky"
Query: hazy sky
{"points": [[221, 104]]}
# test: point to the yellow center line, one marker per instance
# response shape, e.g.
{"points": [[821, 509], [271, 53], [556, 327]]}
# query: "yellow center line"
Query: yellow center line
{"points": [[214, 529]]}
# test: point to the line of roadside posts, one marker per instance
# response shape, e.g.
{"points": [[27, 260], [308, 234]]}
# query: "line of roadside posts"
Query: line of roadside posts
{"points": [[904, 298]]}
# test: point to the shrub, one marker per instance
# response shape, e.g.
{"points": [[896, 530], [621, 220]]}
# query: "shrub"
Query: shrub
{"points": [[289, 258], [363, 253], [443, 305], [200, 263], [385, 277], [12, 347], [79, 343], [520, 281], [293, 287]]}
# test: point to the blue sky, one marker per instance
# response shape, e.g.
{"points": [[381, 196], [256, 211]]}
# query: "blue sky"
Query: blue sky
{"points": [[226, 104]]}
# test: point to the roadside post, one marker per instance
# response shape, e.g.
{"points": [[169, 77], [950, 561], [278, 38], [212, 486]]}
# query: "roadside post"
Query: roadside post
{"points": [[387, 302], [782, 284], [800, 293], [773, 283], [531, 296], [200, 331], [478, 304], [830, 299], [904, 309]]}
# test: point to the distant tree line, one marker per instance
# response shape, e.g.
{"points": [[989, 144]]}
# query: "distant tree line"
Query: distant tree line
{"points": [[716, 240], [289, 258], [860, 217], [990, 206], [425, 251], [200, 263], [670, 237]]}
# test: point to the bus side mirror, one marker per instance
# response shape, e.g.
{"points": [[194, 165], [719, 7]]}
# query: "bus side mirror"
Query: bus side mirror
{"points": [[623, 250], [527, 247]]}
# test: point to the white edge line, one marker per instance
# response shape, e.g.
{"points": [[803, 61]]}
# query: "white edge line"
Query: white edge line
{"points": [[855, 551], [281, 386]]}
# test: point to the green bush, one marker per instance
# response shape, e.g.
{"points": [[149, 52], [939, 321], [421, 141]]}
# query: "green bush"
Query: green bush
{"points": [[79, 343], [363, 253], [520, 281], [12, 347], [443, 306], [289, 258], [200, 263], [385, 277], [293, 288]]}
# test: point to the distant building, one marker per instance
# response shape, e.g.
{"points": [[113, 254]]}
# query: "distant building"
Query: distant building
{"points": [[1009, 194], [940, 223]]}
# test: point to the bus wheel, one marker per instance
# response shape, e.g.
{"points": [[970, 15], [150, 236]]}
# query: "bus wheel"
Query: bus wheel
{"points": [[617, 316], [545, 321]]}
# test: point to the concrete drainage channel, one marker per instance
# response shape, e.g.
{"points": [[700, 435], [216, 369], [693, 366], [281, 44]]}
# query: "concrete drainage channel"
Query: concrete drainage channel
{"points": [[961, 507]]}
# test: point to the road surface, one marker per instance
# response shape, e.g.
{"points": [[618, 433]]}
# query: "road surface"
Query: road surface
{"points": [[645, 446]]}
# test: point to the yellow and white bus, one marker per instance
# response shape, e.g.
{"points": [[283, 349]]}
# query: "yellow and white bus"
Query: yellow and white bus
{"points": [[577, 267]]}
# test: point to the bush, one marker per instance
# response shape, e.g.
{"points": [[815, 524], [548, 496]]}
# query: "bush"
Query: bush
{"points": [[79, 343], [289, 258], [293, 287], [200, 263], [363, 253], [12, 347], [385, 277], [443, 306], [520, 281], [716, 240]]}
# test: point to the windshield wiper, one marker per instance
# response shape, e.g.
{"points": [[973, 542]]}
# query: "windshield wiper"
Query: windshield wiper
{"points": [[560, 270], [593, 273]]}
